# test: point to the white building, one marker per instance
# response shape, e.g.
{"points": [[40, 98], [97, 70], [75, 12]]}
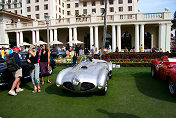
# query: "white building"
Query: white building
{"points": [[126, 27]]}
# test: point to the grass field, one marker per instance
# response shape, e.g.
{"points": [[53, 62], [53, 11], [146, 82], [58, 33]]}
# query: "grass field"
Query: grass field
{"points": [[132, 93]]}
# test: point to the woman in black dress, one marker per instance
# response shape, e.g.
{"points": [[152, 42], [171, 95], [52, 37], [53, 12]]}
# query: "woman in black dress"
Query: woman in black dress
{"points": [[44, 63]]}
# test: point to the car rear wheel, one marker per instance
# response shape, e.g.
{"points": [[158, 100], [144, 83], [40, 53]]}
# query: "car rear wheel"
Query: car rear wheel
{"points": [[110, 74], [172, 87], [50, 70]]}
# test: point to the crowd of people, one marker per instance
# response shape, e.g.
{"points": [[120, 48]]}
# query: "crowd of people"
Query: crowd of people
{"points": [[40, 60]]}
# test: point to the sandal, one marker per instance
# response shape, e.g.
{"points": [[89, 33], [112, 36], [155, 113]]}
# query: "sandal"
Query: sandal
{"points": [[48, 82], [34, 91], [39, 90]]}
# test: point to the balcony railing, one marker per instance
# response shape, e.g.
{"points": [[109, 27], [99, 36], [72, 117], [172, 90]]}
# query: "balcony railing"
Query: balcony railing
{"points": [[149, 17]]}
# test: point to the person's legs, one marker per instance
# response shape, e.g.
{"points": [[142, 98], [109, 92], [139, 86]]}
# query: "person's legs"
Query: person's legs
{"points": [[17, 79], [36, 75], [42, 81], [37, 78], [39, 88]]}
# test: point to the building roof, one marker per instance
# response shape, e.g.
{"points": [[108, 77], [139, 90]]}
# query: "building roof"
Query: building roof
{"points": [[16, 15]]}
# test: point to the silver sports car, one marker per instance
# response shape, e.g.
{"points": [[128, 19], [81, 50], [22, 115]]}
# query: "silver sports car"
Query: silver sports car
{"points": [[88, 76]]}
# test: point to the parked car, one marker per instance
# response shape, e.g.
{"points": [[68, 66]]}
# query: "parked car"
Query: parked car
{"points": [[90, 75], [166, 70], [6, 77], [57, 53]]}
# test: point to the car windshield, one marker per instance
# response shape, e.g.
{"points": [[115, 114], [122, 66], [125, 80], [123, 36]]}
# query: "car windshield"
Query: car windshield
{"points": [[85, 59]]}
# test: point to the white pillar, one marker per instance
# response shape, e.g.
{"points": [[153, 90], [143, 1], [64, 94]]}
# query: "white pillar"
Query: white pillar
{"points": [[119, 37], [33, 37], [96, 38], [55, 34], [161, 41], [6, 38], [91, 36], [21, 37], [113, 38], [168, 37], [136, 38], [142, 37], [75, 33], [17, 39], [152, 41], [51, 35], [70, 36], [37, 36]]}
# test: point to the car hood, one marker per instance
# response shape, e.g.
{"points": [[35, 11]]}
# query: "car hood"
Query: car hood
{"points": [[85, 72], [3, 68]]}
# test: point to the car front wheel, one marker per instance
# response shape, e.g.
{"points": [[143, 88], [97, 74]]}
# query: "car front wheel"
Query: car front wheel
{"points": [[172, 87], [105, 89], [60, 56]]}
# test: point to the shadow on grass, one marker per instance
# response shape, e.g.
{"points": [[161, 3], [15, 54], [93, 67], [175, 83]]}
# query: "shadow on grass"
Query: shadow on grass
{"points": [[117, 115], [53, 89], [154, 88]]}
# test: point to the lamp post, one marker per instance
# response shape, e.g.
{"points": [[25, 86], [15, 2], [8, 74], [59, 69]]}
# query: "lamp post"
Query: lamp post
{"points": [[104, 30], [47, 23]]}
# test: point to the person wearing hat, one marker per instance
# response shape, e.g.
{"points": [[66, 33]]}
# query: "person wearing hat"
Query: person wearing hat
{"points": [[32, 57], [17, 74]]}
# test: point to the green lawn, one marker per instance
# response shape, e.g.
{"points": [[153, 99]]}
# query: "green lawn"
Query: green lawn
{"points": [[132, 93]]}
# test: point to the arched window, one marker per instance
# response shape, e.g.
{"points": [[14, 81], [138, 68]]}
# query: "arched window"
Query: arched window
{"points": [[147, 40], [126, 40]]}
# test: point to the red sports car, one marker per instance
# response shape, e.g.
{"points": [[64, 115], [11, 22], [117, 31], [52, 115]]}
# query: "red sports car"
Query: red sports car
{"points": [[166, 70]]}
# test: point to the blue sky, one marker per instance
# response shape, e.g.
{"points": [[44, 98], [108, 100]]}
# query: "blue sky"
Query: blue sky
{"points": [[148, 6]]}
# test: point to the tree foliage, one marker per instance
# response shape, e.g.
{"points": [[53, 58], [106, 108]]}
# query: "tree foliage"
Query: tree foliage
{"points": [[174, 21]]}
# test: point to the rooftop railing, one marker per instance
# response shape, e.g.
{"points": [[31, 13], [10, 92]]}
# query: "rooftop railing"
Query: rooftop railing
{"points": [[122, 18]]}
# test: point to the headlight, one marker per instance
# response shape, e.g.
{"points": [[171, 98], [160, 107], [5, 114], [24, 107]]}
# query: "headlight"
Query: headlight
{"points": [[57, 85], [100, 87], [75, 81]]}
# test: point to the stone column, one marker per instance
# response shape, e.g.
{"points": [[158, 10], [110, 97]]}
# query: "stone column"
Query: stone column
{"points": [[136, 38], [119, 37], [6, 39], [51, 35], [55, 34], [168, 37], [33, 37], [75, 33], [91, 36], [17, 39], [142, 37], [96, 38], [70, 36], [21, 37], [37, 36], [113, 38], [161, 41], [152, 41]]}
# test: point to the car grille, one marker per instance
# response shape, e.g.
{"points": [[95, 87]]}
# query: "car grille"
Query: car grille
{"points": [[68, 85], [87, 86]]}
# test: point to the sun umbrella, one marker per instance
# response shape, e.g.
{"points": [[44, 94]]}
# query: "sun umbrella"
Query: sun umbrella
{"points": [[76, 42], [40, 43], [56, 42], [24, 44]]}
